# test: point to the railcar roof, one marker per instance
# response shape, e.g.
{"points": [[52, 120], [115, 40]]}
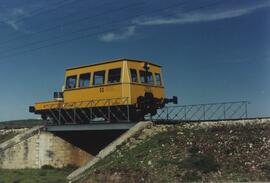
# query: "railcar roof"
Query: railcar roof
{"points": [[112, 61]]}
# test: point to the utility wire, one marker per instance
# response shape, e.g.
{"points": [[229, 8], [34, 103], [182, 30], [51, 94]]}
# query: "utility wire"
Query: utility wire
{"points": [[59, 25], [81, 30], [38, 12], [112, 23], [68, 24], [97, 33]]}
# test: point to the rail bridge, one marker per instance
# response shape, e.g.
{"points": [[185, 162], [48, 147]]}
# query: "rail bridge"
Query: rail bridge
{"points": [[93, 136], [90, 127], [174, 114], [60, 145]]}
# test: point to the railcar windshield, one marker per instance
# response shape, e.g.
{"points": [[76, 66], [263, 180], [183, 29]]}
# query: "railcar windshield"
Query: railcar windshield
{"points": [[71, 82], [148, 77], [133, 74], [158, 79], [114, 75]]}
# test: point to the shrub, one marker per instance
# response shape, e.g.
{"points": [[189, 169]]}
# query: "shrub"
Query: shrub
{"points": [[47, 167]]}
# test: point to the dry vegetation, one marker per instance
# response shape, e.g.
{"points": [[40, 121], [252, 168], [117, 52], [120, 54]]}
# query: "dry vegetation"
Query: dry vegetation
{"points": [[9, 129], [27, 123], [190, 152]]}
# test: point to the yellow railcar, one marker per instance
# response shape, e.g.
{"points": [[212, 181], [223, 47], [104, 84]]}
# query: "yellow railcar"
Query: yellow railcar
{"points": [[117, 90]]}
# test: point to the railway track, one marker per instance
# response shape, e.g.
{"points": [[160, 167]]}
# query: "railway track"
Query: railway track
{"points": [[173, 122]]}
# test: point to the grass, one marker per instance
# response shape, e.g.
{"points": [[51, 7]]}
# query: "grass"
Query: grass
{"points": [[35, 175], [47, 174], [223, 153]]}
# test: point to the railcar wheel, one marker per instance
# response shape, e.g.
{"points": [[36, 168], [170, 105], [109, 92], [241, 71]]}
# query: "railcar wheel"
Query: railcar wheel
{"points": [[44, 117], [136, 116]]}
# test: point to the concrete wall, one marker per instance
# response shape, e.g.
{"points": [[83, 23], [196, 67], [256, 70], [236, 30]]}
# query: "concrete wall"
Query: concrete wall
{"points": [[36, 148], [135, 130]]}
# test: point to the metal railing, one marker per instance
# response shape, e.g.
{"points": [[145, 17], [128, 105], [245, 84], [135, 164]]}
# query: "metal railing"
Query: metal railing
{"points": [[106, 110], [202, 112], [90, 103], [118, 110]]}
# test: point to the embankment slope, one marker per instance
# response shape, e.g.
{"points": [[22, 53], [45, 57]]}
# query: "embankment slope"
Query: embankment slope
{"points": [[209, 151]]}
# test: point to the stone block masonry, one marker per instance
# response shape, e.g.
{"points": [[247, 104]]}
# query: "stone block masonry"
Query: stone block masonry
{"points": [[35, 148]]}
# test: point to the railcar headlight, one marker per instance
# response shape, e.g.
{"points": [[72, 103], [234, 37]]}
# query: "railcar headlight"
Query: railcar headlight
{"points": [[146, 66]]}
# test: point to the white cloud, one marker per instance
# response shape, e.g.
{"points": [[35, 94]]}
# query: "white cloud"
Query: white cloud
{"points": [[15, 25], [182, 17], [11, 17], [14, 16], [111, 36], [203, 16]]}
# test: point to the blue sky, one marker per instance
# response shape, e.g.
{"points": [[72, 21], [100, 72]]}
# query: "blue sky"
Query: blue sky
{"points": [[211, 50]]}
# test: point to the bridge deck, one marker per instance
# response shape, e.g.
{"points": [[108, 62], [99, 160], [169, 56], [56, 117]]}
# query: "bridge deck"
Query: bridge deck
{"points": [[90, 127]]}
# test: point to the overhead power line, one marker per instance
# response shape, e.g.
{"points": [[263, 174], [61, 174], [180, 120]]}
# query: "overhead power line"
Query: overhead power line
{"points": [[111, 29], [71, 23], [42, 10], [68, 23], [91, 27]]}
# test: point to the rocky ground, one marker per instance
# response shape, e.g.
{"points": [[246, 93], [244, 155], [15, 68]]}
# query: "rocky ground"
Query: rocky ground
{"points": [[220, 151]]}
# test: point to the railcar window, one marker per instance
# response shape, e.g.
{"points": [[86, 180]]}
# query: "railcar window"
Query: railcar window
{"points": [[149, 77], [99, 78], [133, 74], [114, 75], [84, 80], [142, 76], [71, 82], [158, 79]]}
